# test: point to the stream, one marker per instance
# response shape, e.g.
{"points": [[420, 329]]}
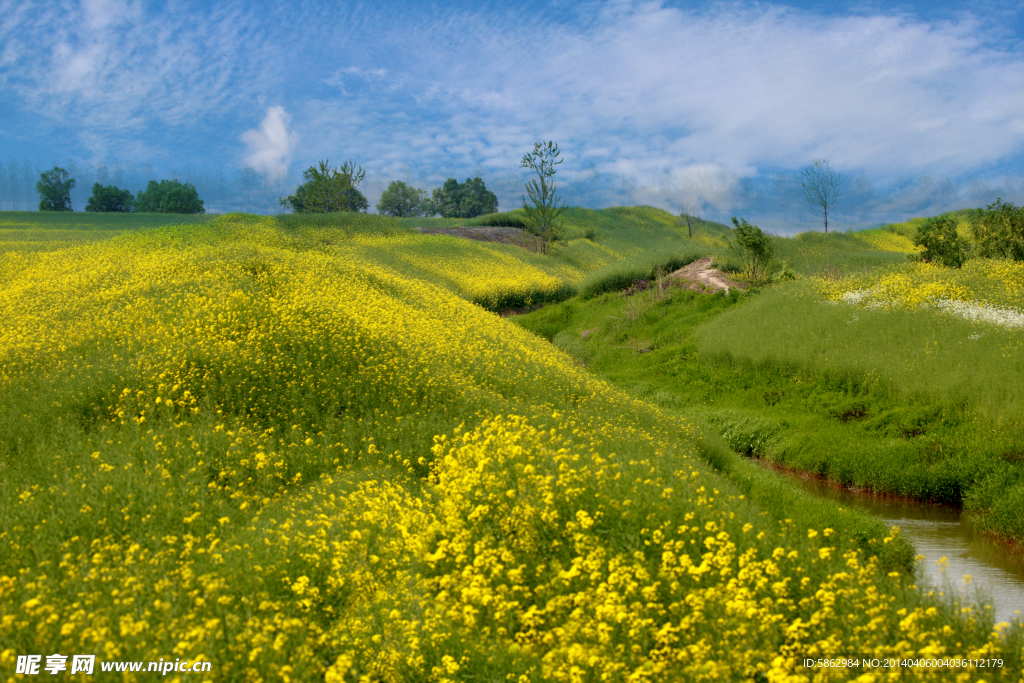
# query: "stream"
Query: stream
{"points": [[938, 532]]}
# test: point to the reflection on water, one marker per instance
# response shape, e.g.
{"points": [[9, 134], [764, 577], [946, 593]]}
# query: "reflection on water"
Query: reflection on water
{"points": [[938, 532]]}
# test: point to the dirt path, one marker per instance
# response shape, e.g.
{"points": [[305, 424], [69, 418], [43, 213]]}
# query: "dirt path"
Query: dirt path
{"points": [[701, 277]]}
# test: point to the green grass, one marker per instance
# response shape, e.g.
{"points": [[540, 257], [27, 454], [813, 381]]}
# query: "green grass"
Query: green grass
{"points": [[226, 439], [898, 404], [88, 220]]}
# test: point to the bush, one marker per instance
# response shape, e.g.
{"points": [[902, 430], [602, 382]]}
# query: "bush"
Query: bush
{"points": [[54, 188], [756, 247], [169, 196], [508, 219], [941, 242], [999, 230], [109, 199]]}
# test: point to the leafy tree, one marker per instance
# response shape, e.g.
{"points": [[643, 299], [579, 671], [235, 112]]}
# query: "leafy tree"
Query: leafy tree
{"points": [[107, 198], [756, 247], [822, 188], [999, 230], [54, 188], [327, 190], [401, 201], [542, 217], [169, 196], [941, 242], [466, 200]]}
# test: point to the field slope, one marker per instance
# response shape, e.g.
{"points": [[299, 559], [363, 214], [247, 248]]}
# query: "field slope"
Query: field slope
{"points": [[302, 452]]}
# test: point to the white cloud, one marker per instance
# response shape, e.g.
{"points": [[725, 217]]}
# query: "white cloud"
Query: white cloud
{"points": [[270, 147], [671, 102], [646, 90]]}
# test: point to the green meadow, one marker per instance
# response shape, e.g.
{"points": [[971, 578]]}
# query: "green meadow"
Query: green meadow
{"points": [[310, 448]]}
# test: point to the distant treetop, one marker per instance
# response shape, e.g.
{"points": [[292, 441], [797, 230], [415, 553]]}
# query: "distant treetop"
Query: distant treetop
{"points": [[54, 188], [169, 196]]}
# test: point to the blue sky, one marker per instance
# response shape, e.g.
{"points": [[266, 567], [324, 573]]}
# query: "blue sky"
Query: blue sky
{"points": [[649, 101]]}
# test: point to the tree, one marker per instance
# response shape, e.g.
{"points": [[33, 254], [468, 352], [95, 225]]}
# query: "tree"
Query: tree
{"points": [[54, 188], [466, 200], [402, 201], [822, 188], [941, 242], [107, 198], [756, 246], [999, 230], [686, 210], [542, 217], [327, 190], [169, 196]]}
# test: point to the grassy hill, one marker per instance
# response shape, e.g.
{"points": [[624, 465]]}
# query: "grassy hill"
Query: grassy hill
{"points": [[296, 448]]}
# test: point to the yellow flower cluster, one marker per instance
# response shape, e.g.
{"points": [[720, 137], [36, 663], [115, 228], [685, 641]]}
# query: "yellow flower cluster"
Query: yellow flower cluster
{"points": [[914, 285], [301, 460], [883, 240]]}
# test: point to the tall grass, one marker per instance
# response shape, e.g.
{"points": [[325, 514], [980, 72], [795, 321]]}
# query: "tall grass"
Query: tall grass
{"points": [[919, 353]]}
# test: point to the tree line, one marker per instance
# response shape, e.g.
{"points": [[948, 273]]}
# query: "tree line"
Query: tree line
{"points": [[327, 189], [167, 196]]}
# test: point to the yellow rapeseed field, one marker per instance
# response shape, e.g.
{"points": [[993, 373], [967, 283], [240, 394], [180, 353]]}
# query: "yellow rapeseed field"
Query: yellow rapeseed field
{"points": [[304, 461], [986, 281]]}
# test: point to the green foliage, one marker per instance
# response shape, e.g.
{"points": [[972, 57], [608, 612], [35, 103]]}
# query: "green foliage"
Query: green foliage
{"points": [[54, 188], [543, 210], [941, 242], [109, 199], [327, 190], [508, 219], [999, 230], [465, 200], [169, 196], [756, 248], [402, 201]]}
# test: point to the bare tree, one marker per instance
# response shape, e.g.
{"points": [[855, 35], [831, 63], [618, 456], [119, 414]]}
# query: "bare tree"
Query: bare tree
{"points": [[822, 188], [686, 210]]}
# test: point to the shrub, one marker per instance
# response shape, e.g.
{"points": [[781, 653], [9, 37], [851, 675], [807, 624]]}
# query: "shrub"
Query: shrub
{"points": [[941, 242], [999, 230], [508, 219], [756, 246]]}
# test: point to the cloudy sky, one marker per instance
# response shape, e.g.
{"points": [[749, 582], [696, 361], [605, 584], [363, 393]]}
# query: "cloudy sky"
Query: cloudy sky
{"points": [[676, 97]]}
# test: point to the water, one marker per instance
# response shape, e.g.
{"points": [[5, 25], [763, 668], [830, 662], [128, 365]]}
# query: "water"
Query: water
{"points": [[938, 532]]}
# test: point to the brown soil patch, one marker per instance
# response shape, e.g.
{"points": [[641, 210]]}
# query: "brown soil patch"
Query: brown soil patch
{"points": [[701, 277], [515, 236]]}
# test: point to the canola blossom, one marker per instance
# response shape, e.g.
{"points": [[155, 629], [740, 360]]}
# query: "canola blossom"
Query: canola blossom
{"points": [[303, 460], [984, 290]]}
